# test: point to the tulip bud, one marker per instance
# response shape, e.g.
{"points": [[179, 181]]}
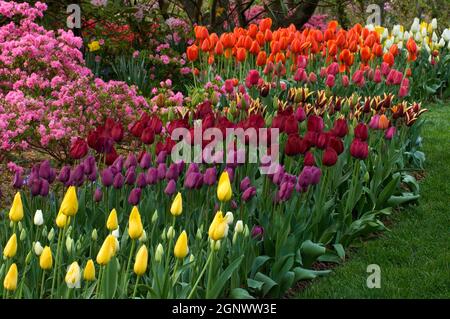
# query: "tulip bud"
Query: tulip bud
{"points": [[94, 235], [234, 238], [89, 271], [38, 218], [16, 211], [181, 248], [78, 245], [19, 224], [239, 227], [170, 233], [217, 245], [10, 282], [191, 258], [51, 234], [155, 216], [73, 276], [46, 259], [143, 237], [229, 217], [198, 235], [366, 177], [163, 234], [177, 205], [10, 249], [23, 234], [11, 224], [37, 247], [69, 243], [28, 258], [112, 222], [61, 220], [141, 262], [246, 231], [159, 253]]}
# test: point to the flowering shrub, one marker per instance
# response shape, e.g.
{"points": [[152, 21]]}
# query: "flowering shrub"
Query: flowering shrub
{"points": [[47, 94]]}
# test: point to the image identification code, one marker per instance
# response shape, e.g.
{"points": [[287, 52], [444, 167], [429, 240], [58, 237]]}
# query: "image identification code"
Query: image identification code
{"points": [[263, 308]]}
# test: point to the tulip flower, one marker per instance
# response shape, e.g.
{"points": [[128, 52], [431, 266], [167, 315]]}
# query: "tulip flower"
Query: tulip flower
{"points": [[135, 227], [10, 282], [38, 219], [61, 220], [135, 196], [10, 249], [98, 195], [330, 157], [73, 276], [257, 231], [69, 205], [140, 264], [219, 227], [170, 188], [107, 250], [159, 252], [46, 259], [224, 191], [38, 249], [177, 205], [16, 211], [181, 248], [112, 222], [89, 271]]}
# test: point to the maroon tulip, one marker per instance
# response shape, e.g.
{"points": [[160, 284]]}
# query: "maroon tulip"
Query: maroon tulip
{"points": [[359, 149], [248, 193], [315, 124], [257, 232], [322, 140], [117, 132], [135, 196], [148, 136], [78, 149], [18, 180], [291, 125], [98, 195], [329, 157], [111, 156], [361, 132], [336, 144], [137, 128], [340, 128], [309, 160], [300, 114], [171, 188]]}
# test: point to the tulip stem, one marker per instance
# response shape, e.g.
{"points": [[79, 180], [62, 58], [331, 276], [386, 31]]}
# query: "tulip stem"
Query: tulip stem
{"points": [[41, 295], [55, 272], [201, 274], [133, 244], [100, 273], [135, 286]]}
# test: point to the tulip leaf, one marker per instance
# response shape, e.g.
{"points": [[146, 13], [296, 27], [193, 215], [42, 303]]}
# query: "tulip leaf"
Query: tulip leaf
{"points": [[109, 282], [387, 191], [258, 263], [223, 278], [310, 251], [269, 283], [308, 274], [240, 293]]}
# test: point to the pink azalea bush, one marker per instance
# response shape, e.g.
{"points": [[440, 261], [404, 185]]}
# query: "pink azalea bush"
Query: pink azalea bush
{"points": [[47, 94]]}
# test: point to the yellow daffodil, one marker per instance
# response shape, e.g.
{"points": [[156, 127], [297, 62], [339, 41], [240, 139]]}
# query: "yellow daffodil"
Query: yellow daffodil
{"points": [[10, 249], [73, 276], [224, 191], [140, 265], [69, 205], [177, 205], [107, 251], [16, 211], [89, 271], [219, 227], [94, 46], [112, 222], [135, 227], [181, 248], [46, 259], [10, 282]]}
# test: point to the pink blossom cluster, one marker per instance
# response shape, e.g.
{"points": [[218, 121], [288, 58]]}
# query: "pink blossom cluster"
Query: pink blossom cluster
{"points": [[47, 95], [317, 21]]}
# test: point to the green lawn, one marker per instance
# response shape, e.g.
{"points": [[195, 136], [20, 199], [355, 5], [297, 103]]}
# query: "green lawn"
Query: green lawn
{"points": [[415, 256]]}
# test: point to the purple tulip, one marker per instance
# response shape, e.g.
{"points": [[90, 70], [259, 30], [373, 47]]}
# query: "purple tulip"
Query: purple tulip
{"points": [[285, 191], [210, 176], [171, 188], [191, 180], [257, 232], [390, 132], [44, 170], [233, 204], [98, 195], [193, 168], [146, 161], [93, 175], [77, 176], [152, 176], [245, 183], [130, 161], [180, 167], [248, 193], [64, 174], [118, 163], [135, 196], [118, 181], [18, 180], [45, 188], [107, 177], [161, 158], [52, 176], [278, 176], [172, 172], [141, 181], [130, 178], [230, 173], [35, 186], [89, 164], [161, 171]]}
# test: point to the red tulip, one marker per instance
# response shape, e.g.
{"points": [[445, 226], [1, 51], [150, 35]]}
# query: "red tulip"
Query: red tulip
{"points": [[361, 131], [148, 136], [78, 149], [359, 149], [329, 157]]}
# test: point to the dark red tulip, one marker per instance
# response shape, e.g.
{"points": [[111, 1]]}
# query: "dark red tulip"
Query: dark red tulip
{"points": [[78, 149], [292, 147], [329, 157], [111, 156], [361, 132], [315, 124], [291, 125], [359, 149], [309, 160], [340, 128], [336, 144], [117, 132], [148, 136]]}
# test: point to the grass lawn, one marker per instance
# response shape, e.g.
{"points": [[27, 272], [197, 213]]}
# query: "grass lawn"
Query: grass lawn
{"points": [[415, 256]]}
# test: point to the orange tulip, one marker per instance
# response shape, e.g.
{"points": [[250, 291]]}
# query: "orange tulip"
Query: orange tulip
{"points": [[201, 32], [333, 24], [280, 57], [219, 48], [248, 42], [261, 58], [265, 24], [340, 40], [206, 45], [241, 54], [394, 50], [388, 58], [267, 35], [328, 35], [260, 38], [296, 46], [365, 54], [275, 47], [411, 46], [377, 50], [383, 122], [252, 30], [192, 53], [353, 46], [332, 48], [370, 40], [254, 49], [408, 72], [210, 59]]}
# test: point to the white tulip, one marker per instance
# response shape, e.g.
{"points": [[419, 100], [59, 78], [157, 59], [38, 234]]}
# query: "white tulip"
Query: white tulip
{"points": [[406, 35], [37, 247], [446, 35], [418, 37], [143, 236], [434, 24], [116, 232], [229, 217], [38, 218], [441, 43], [415, 27], [239, 227], [424, 32], [159, 253], [434, 37]]}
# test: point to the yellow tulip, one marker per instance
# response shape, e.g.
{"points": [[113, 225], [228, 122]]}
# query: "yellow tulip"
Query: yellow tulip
{"points": [[89, 271], [135, 227], [10, 249], [94, 46], [140, 265], [112, 222], [61, 220], [16, 211], [107, 250], [46, 259], [69, 205], [224, 191], [10, 282], [181, 248], [73, 276], [219, 227], [177, 205]]}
